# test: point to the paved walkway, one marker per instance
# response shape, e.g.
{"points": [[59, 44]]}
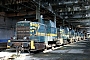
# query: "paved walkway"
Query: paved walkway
{"points": [[77, 51], [77, 47]]}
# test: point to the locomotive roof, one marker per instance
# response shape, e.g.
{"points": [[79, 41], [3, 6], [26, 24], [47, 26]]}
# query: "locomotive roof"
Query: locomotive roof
{"points": [[23, 22], [30, 22]]}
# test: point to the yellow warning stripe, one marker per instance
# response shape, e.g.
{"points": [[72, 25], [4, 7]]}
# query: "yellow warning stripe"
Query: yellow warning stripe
{"points": [[51, 34], [32, 44]]}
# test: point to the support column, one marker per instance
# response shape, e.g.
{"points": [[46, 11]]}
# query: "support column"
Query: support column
{"points": [[55, 19], [38, 11], [63, 22]]}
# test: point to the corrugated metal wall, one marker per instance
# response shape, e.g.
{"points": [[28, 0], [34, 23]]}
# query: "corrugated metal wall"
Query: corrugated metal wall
{"points": [[6, 34], [7, 27], [7, 22]]}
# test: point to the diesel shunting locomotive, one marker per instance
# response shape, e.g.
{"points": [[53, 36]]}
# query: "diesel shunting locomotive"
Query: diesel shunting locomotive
{"points": [[34, 36]]}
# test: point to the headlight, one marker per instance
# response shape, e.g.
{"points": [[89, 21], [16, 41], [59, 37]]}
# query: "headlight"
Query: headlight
{"points": [[25, 38], [9, 40]]}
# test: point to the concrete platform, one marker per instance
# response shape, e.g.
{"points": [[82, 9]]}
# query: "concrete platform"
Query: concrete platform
{"points": [[76, 51]]}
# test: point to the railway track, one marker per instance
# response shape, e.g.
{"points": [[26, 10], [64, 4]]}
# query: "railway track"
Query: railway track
{"points": [[13, 55]]}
